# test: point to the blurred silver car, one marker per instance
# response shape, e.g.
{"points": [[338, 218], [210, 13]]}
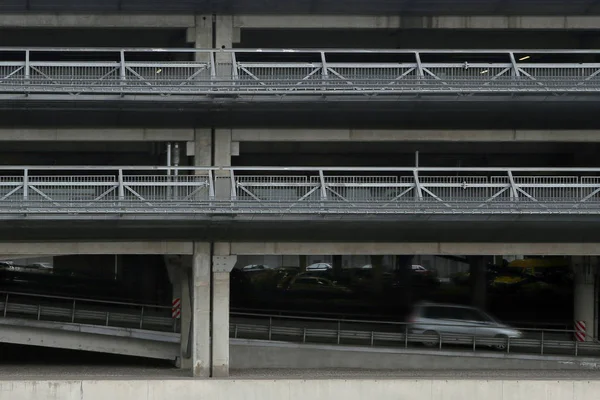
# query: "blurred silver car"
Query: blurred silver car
{"points": [[435, 319]]}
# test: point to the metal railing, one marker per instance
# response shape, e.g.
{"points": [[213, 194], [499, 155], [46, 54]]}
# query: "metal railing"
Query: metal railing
{"points": [[244, 74], [394, 334], [86, 311], [73, 191], [288, 328]]}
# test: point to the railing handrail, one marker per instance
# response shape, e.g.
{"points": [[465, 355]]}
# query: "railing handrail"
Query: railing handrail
{"points": [[344, 316], [294, 168], [398, 323], [81, 299], [298, 50]]}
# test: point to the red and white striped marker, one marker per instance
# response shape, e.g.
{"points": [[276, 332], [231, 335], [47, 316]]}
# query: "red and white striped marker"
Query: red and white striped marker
{"points": [[580, 331], [176, 308]]}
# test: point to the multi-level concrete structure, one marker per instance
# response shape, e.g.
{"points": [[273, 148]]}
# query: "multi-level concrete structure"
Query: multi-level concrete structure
{"points": [[404, 128]]}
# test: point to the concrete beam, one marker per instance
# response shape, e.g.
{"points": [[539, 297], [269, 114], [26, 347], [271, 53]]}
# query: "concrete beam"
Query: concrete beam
{"points": [[424, 22], [392, 135], [110, 340], [368, 248], [75, 248], [96, 134], [96, 20]]}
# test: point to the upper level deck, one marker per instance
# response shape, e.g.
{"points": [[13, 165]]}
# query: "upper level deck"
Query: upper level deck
{"points": [[383, 7], [221, 77]]}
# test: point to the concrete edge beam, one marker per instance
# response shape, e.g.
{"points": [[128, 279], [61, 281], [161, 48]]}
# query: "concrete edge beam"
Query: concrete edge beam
{"points": [[433, 248], [389, 135], [415, 22], [47, 248], [97, 134], [54, 20]]}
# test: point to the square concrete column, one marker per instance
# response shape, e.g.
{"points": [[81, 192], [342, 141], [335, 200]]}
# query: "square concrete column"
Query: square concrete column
{"points": [[222, 158], [201, 260], [478, 280], [585, 292], [202, 147], [179, 270], [222, 266]]}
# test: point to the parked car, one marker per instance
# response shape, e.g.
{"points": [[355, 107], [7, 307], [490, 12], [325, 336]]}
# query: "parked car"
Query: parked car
{"points": [[435, 319], [319, 267]]}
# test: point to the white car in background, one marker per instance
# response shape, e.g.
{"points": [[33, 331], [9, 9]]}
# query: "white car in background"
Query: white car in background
{"points": [[319, 267]]}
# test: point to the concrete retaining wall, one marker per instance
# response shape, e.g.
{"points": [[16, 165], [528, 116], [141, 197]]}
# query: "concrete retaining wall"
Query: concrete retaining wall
{"points": [[256, 354], [267, 389]]}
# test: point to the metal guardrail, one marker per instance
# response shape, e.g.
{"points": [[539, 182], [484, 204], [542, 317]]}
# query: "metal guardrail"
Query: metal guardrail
{"points": [[79, 310], [242, 75], [277, 327], [159, 191]]}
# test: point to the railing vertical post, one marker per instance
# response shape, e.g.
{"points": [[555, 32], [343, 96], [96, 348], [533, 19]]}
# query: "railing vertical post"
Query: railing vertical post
{"points": [[324, 72], [211, 185], [542, 344], [142, 318], [304, 335], [372, 338], [107, 317], [73, 312], [270, 327], [418, 190], [122, 68], [406, 336], [420, 73], [323, 187], [576, 347], [5, 305], [25, 184], [514, 193], [440, 341], [508, 344], [234, 67], [515, 70], [39, 312], [235, 331], [27, 67], [339, 333], [233, 185], [475, 342], [213, 69], [121, 188]]}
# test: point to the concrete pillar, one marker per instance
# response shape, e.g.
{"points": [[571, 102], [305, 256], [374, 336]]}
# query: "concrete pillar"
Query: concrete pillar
{"points": [[200, 350], [202, 36], [377, 267], [226, 36], [585, 309], [202, 149], [179, 269], [478, 281], [302, 263], [222, 158], [336, 264], [221, 268]]}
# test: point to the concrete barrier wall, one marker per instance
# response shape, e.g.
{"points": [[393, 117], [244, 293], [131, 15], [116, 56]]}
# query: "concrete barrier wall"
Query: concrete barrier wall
{"points": [[268, 389], [256, 354]]}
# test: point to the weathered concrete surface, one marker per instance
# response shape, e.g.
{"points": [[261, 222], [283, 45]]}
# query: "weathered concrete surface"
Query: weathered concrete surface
{"points": [[96, 135], [387, 135], [415, 22], [255, 354], [99, 339], [48, 248], [299, 389]]}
